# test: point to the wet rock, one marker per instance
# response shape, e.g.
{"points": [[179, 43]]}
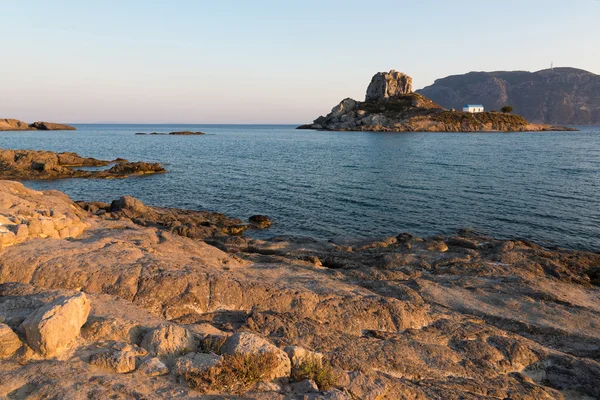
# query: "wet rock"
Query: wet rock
{"points": [[260, 221], [9, 342], [50, 330], [136, 168]]}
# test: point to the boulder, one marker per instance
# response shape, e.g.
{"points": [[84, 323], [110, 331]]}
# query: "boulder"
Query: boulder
{"points": [[249, 343], [345, 106], [9, 342], [153, 367], [385, 85], [298, 354], [119, 361], [196, 363], [50, 329], [169, 341]]}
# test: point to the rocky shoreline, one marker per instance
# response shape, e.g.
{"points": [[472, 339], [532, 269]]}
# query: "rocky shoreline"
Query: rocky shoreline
{"points": [[40, 164], [9, 124], [391, 106], [131, 301]]}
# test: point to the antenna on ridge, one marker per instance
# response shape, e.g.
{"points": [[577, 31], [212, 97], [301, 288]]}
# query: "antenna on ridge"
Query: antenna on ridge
{"points": [[552, 65]]}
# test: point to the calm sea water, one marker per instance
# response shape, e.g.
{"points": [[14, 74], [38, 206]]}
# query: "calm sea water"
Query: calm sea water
{"points": [[540, 186]]}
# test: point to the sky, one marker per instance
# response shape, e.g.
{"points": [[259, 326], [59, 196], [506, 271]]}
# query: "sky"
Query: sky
{"points": [[225, 61]]}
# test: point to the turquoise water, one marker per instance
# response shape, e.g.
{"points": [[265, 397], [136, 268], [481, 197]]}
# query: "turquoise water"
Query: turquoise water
{"points": [[540, 186]]}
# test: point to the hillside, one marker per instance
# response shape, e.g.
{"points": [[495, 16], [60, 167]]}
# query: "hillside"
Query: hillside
{"points": [[553, 96]]}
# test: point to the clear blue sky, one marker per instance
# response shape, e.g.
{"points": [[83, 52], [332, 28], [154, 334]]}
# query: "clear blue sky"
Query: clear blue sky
{"points": [[263, 61]]}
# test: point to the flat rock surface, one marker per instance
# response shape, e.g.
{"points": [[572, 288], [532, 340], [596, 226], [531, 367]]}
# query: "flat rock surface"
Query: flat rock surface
{"points": [[396, 317]]}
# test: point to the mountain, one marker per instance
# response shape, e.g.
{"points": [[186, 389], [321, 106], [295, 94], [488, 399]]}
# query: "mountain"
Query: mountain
{"points": [[552, 96]]}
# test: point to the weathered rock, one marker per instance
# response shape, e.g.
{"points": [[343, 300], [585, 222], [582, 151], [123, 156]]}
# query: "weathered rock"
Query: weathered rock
{"points": [[194, 363], [50, 330], [33, 164], [298, 354], [169, 341], [51, 126], [153, 367], [388, 84], [136, 168], [9, 342], [305, 386], [8, 124], [249, 343], [119, 361]]}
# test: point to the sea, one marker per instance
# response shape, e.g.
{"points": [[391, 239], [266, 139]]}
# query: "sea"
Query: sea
{"points": [[544, 187]]}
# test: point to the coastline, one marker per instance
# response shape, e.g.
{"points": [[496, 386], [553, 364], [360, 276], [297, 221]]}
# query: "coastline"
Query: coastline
{"points": [[369, 308]]}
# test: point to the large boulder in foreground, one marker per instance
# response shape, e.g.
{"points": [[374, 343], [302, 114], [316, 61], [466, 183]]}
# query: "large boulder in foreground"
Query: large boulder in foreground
{"points": [[249, 343], [50, 329], [388, 84]]}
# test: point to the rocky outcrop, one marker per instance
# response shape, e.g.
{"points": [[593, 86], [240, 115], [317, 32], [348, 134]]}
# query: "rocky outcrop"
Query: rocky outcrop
{"points": [[51, 329], [553, 96], [187, 133], [385, 85], [249, 343], [34, 164], [8, 124], [459, 316], [391, 106]]}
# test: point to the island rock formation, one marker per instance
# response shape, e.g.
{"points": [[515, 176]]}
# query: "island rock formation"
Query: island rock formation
{"points": [[391, 106], [163, 308], [553, 96], [9, 124]]}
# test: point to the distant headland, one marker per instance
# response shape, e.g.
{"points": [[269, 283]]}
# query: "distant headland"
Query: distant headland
{"points": [[10, 124], [566, 96], [391, 106]]}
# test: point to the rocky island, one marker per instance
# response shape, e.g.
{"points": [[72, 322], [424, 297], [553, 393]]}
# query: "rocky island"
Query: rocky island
{"points": [[9, 124], [391, 106], [172, 133], [125, 300], [39, 164]]}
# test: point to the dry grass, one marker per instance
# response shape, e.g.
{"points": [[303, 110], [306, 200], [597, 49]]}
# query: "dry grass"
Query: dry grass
{"points": [[315, 369], [235, 374], [213, 344]]}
